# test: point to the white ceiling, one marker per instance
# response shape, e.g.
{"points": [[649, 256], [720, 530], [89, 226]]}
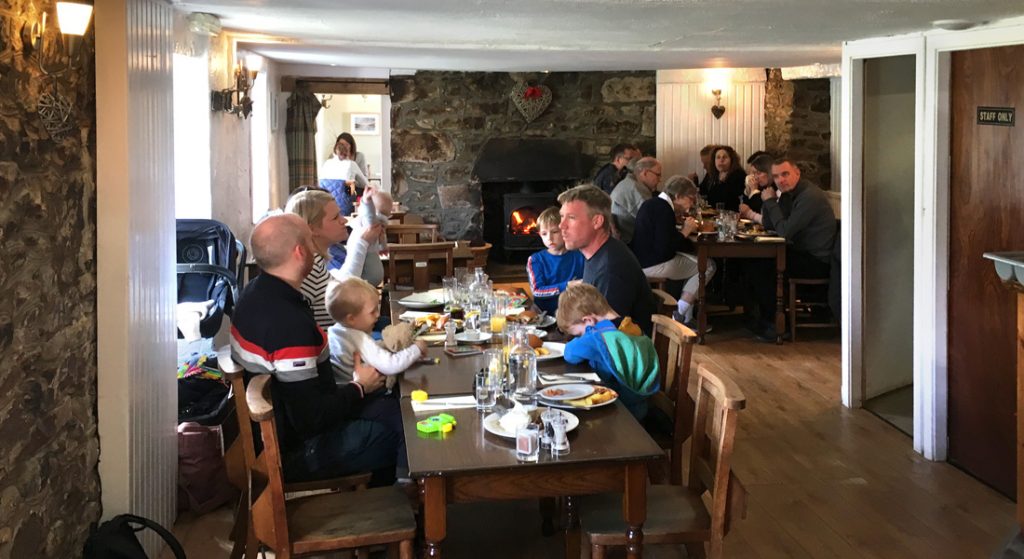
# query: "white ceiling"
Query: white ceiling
{"points": [[563, 35]]}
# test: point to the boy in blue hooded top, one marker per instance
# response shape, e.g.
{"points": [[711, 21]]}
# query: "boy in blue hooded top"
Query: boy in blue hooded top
{"points": [[622, 356]]}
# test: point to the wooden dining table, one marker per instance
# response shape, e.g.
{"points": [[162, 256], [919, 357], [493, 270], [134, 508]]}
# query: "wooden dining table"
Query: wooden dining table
{"points": [[610, 452], [708, 246]]}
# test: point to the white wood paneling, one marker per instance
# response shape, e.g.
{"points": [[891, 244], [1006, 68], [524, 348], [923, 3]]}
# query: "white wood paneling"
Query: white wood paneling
{"points": [[135, 260], [685, 122]]}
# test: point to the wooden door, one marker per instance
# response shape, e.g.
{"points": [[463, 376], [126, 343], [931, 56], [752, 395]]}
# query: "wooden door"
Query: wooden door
{"points": [[986, 214]]}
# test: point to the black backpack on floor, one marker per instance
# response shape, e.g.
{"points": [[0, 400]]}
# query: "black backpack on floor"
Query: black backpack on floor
{"points": [[116, 539]]}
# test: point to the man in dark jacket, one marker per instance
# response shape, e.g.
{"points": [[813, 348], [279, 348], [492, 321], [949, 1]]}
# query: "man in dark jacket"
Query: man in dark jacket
{"points": [[273, 332], [809, 228], [611, 173]]}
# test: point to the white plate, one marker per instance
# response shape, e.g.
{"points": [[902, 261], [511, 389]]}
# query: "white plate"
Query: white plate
{"points": [[493, 426], [424, 300], [548, 321], [557, 350], [566, 392], [568, 406], [480, 337], [538, 332]]}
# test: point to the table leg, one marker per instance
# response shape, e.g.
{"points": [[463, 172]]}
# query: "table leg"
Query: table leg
{"points": [[634, 508], [702, 269], [572, 529], [435, 511], [547, 516], [780, 315]]}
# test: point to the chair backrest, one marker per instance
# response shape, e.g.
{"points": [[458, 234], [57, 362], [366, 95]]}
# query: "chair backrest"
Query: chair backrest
{"points": [[420, 256], [667, 304], [673, 343], [235, 375], [718, 401], [269, 517], [413, 233]]}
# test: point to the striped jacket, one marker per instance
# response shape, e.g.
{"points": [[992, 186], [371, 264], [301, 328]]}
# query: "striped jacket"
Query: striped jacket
{"points": [[273, 332]]}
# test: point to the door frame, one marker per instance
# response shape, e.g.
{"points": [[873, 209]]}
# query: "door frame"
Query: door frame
{"points": [[931, 224]]}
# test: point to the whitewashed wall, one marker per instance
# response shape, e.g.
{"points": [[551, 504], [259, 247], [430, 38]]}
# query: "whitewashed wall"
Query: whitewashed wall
{"points": [[685, 122], [137, 402]]}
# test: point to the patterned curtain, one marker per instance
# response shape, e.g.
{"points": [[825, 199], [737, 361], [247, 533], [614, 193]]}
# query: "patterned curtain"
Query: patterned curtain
{"points": [[300, 133]]}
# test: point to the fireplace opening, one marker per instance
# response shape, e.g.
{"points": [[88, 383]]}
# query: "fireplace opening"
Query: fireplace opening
{"points": [[519, 179]]}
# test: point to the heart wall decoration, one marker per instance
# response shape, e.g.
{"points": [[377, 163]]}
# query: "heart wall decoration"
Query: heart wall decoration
{"points": [[531, 100]]}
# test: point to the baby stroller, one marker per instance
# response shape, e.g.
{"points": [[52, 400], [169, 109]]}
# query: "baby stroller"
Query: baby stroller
{"points": [[210, 270]]}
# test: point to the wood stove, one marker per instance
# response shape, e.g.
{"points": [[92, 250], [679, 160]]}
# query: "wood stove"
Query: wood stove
{"points": [[519, 179]]}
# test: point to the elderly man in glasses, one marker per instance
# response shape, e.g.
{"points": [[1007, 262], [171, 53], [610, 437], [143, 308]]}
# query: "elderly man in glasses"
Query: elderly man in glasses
{"points": [[635, 189]]}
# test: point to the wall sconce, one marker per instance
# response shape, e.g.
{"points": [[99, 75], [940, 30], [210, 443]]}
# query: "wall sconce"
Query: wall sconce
{"points": [[717, 109], [72, 20], [236, 100]]}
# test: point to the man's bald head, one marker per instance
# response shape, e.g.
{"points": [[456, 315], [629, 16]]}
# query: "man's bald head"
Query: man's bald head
{"points": [[274, 239]]}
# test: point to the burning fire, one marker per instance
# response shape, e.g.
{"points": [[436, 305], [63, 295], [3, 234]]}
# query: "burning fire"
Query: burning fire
{"points": [[523, 223]]}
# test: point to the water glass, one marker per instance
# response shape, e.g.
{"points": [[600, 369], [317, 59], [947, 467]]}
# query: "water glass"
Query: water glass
{"points": [[451, 287], [528, 443], [485, 390]]}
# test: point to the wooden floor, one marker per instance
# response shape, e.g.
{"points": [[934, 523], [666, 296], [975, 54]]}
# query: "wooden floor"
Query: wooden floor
{"points": [[823, 481]]}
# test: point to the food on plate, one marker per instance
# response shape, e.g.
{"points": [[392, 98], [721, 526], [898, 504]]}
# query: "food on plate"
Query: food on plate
{"points": [[525, 317], [435, 322], [541, 351], [534, 341], [554, 392], [600, 395]]}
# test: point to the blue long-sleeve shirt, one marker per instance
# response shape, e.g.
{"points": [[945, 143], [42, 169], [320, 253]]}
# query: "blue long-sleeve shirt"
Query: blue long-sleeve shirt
{"points": [[592, 348], [550, 274]]}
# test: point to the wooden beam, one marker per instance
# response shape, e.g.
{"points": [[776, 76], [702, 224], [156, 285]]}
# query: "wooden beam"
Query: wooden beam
{"points": [[353, 86]]}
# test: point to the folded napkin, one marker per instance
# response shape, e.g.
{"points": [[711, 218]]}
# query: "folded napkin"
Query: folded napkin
{"points": [[441, 404], [549, 379], [767, 239]]}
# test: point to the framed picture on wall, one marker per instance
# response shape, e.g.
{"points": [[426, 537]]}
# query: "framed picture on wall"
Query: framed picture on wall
{"points": [[365, 123]]}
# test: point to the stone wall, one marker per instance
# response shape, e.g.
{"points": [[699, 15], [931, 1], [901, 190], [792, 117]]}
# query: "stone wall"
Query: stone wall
{"points": [[798, 124], [49, 485], [440, 120]]}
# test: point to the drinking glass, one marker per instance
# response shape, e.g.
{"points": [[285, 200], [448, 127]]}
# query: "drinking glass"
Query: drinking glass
{"points": [[485, 391], [528, 443], [498, 306], [450, 286]]}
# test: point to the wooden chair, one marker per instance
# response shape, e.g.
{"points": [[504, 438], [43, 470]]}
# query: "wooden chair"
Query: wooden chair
{"points": [[673, 343], [796, 303], [413, 233], [702, 509], [243, 450], [320, 523], [419, 256], [667, 304]]}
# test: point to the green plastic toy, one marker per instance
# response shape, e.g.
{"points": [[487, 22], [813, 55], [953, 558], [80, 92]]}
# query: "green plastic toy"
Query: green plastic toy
{"points": [[440, 423]]}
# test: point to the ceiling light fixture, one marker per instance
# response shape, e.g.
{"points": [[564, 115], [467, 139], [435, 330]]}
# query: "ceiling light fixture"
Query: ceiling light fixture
{"points": [[952, 24]]}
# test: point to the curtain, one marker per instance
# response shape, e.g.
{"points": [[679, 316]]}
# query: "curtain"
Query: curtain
{"points": [[300, 132]]}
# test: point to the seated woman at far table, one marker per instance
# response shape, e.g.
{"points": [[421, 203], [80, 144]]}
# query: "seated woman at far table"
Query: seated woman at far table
{"points": [[622, 355], [666, 252]]}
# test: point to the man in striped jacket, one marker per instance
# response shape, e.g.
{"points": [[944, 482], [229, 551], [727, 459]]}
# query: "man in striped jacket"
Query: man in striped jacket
{"points": [[273, 332]]}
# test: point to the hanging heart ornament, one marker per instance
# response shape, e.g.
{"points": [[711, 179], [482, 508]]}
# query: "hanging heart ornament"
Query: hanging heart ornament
{"points": [[55, 112], [531, 100]]}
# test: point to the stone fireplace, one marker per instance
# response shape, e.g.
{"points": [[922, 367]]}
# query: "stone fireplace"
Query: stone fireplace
{"points": [[444, 124]]}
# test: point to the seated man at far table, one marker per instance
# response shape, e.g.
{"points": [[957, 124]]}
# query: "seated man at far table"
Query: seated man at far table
{"points": [[273, 332], [809, 228]]}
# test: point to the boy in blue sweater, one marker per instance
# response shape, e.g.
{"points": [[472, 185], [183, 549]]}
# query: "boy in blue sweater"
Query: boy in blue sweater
{"points": [[622, 356], [551, 270]]}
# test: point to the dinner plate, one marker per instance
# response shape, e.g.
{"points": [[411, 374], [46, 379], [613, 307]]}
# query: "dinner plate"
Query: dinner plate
{"points": [[564, 392], [548, 321], [478, 338], [575, 405], [556, 350], [537, 332], [424, 300], [493, 426]]}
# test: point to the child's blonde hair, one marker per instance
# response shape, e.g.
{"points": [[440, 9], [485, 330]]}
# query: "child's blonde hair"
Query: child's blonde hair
{"points": [[579, 301], [350, 297], [549, 218]]}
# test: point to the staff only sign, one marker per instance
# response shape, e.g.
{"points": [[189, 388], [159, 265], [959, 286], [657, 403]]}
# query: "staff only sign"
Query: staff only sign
{"points": [[996, 116]]}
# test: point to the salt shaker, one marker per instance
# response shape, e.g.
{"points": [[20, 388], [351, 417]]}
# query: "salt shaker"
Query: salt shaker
{"points": [[559, 437], [449, 334]]}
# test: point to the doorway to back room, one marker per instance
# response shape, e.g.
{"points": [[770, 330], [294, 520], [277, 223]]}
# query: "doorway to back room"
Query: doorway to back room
{"points": [[361, 117]]}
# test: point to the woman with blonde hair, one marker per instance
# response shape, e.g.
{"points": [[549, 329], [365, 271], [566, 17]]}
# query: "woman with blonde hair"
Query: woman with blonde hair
{"points": [[320, 210]]}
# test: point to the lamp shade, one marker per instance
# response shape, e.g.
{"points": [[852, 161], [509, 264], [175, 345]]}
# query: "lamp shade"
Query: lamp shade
{"points": [[73, 17]]}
